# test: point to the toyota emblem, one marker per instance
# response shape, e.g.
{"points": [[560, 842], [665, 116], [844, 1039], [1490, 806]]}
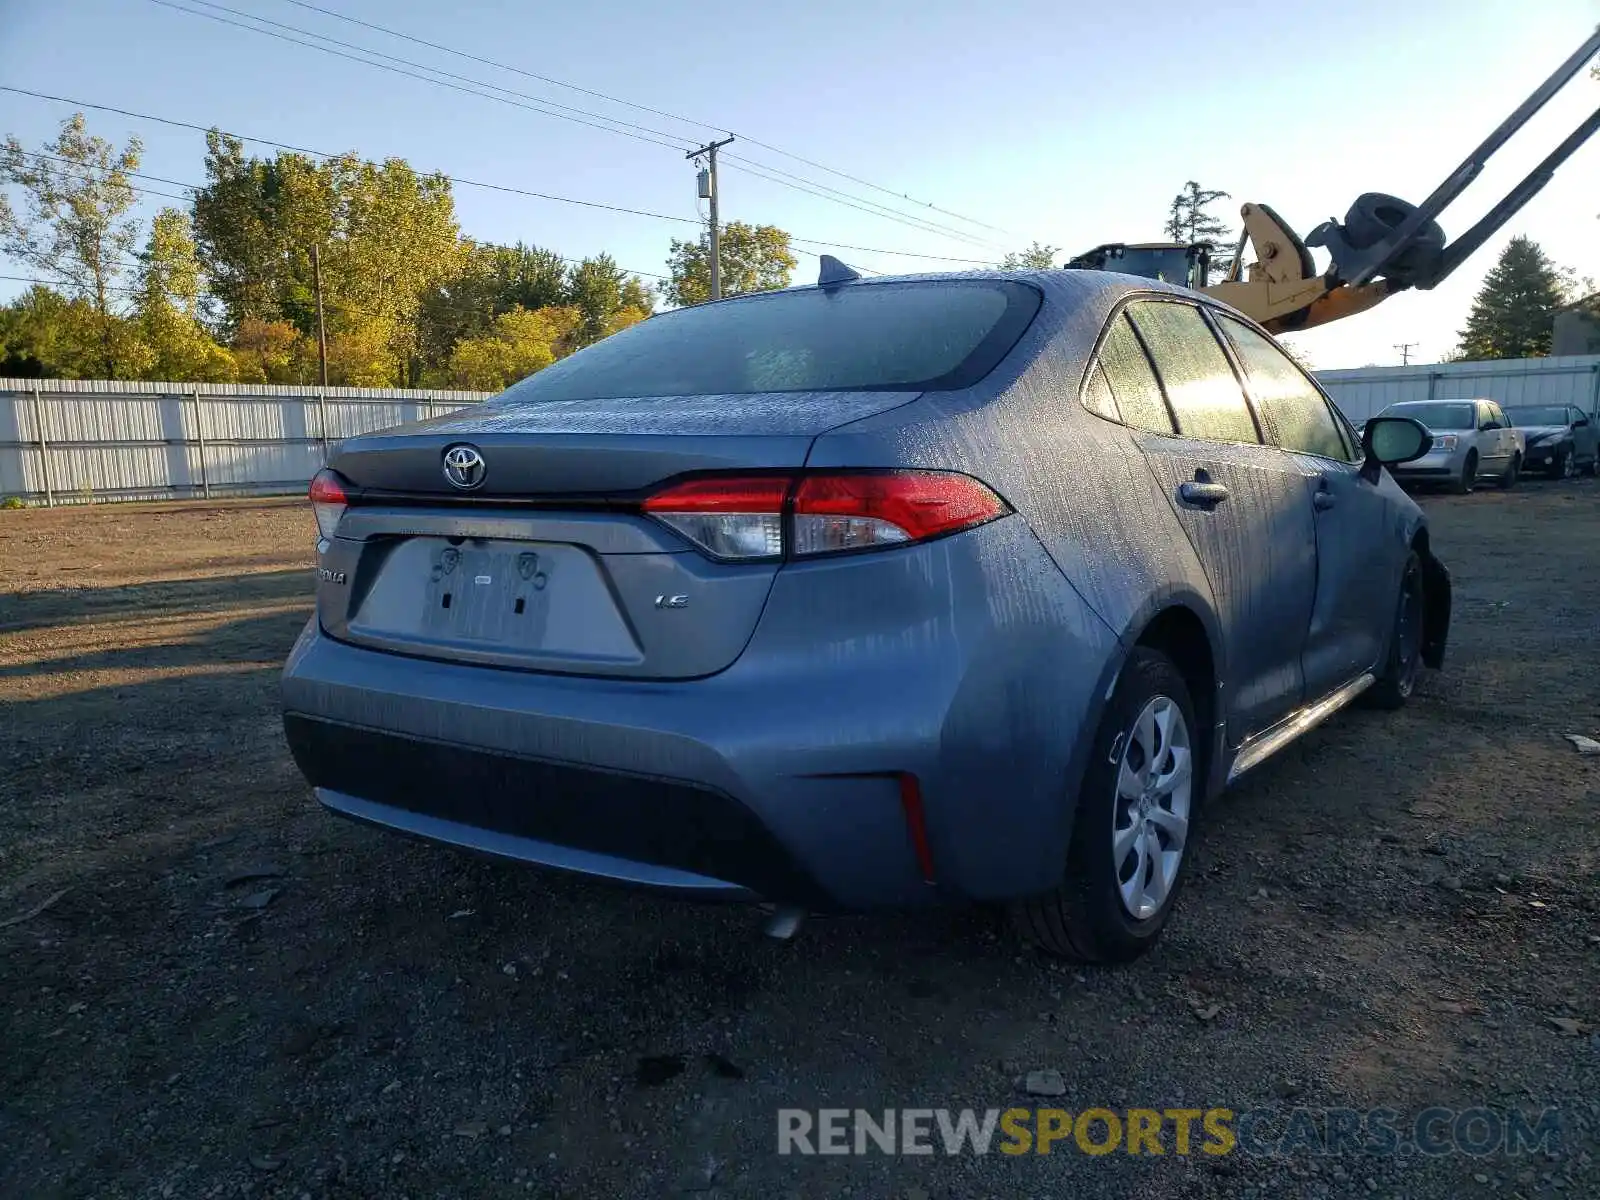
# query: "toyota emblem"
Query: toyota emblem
{"points": [[464, 467]]}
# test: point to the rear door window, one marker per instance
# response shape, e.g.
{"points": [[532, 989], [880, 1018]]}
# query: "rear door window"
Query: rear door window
{"points": [[1198, 379], [1296, 414], [1131, 381], [936, 335]]}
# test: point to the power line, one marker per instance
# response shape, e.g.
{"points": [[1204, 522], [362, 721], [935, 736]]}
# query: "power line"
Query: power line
{"points": [[544, 107], [500, 66], [193, 12], [129, 174], [455, 179]]}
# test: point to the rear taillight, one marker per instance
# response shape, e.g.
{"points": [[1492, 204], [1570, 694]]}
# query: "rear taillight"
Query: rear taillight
{"points": [[328, 500], [727, 516], [751, 517]]}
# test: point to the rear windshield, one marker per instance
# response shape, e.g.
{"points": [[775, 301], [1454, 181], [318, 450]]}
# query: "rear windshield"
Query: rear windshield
{"points": [[1537, 416], [922, 336], [1437, 416]]}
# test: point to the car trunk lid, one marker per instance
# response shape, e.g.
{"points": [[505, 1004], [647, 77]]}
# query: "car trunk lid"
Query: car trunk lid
{"points": [[547, 563]]}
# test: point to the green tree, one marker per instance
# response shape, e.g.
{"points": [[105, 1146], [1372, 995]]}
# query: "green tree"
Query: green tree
{"points": [[238, 232], [594, 288], [43, 334], [167, 307], [1513, 314], [755, 258], [520, 343], [608, 297], [1036, 257], [487, 282], [387, 237], [75, 229], [1188, 220]]}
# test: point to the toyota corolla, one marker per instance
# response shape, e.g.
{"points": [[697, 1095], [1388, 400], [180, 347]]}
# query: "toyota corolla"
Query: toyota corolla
{"points": [[889, 592]]}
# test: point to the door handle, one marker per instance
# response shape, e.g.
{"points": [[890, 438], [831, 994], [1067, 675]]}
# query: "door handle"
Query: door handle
{"points": [[1206, 495], [1322, 499]]}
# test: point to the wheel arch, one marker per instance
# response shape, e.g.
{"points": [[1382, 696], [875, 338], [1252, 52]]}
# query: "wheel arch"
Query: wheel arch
{"points": [[1184, 627], [1436, 596]]}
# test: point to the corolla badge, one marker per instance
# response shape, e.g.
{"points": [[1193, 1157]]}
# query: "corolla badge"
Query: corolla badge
{"points": [[464, 466]]}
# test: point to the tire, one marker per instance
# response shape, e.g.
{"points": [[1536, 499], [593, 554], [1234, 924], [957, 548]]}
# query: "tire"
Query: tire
{"points": [[1561, 463], [1375, 215], [1404, 661], [1513, 473], [1469, 475], [1086, 918], [1592, 467]]}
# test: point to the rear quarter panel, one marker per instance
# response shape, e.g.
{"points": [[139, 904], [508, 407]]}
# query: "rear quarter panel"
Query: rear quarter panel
{"points": [[1080, 482]]}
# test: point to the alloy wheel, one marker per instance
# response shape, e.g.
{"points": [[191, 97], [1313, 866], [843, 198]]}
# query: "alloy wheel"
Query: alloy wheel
{"points": [[1150, 824]]}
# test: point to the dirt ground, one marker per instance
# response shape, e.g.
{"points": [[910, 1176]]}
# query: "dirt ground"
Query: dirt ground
{"points": [[208, 987]]}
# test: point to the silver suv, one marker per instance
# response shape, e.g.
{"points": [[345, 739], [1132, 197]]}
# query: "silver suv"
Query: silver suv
{"points": [[1471, 439]]}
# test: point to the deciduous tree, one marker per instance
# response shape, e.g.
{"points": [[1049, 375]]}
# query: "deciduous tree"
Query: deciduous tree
{"points": [[272, 352], [755, 258], [167, 307], [520, 343], [76, 229]]}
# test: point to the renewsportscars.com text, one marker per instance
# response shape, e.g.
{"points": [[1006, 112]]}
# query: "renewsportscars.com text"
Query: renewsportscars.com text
{"points": [[1178, 1131]]}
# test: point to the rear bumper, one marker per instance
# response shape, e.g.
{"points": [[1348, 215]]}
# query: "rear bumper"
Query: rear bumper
{"points": [[594, 822], [779, 778]]}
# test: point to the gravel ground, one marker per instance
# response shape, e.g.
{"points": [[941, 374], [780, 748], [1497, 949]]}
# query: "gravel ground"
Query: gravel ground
{"points": [[225, 992]]}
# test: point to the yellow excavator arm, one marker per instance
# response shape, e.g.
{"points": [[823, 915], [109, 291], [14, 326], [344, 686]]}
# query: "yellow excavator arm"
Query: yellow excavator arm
{"points": [[1282, 288], [1383, 246]]}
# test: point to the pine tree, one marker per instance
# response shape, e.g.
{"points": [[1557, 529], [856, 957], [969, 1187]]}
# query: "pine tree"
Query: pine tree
{"points": [[1513, 314], [1189, 222]]}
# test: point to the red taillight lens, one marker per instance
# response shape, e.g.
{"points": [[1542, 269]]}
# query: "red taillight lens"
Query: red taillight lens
{"points": [[742, 517], [328, 500], [851, 511]]}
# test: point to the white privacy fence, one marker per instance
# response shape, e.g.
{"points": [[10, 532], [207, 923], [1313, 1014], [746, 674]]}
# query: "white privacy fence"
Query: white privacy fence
{"points": [[70, 441], [1569, 380]]}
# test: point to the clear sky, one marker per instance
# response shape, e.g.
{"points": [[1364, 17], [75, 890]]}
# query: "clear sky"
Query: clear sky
{"points": [[1054, 120]]}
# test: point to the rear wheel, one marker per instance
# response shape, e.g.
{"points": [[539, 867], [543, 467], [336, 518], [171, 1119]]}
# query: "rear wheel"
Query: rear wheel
{"points": [[1404, 664], [1592, 467], [1132, 830], [1513, 473], [1468, 476]]}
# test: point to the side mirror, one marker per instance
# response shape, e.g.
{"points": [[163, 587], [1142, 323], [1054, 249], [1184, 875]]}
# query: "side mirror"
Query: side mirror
{"points": [[1581, 423], [1389, 440]]}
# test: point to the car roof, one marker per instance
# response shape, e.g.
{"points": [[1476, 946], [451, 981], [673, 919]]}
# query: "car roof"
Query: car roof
{"points": [[1082, 282]]}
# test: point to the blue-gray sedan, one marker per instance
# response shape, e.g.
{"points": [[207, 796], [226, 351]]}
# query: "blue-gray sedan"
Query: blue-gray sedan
{"points": [[888, 592]]}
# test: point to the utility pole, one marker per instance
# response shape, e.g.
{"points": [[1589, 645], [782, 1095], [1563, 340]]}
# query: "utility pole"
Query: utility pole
{"points": [[708, 189], [1405, 352], [322, 329]]}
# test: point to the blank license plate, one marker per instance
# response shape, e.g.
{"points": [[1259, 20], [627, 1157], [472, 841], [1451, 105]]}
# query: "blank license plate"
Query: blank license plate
{"points": [[486, 592]]}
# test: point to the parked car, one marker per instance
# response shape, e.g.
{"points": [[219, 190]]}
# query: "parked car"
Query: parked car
{"points": [[877, 593], [1560, 439], [1471, 439]]}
